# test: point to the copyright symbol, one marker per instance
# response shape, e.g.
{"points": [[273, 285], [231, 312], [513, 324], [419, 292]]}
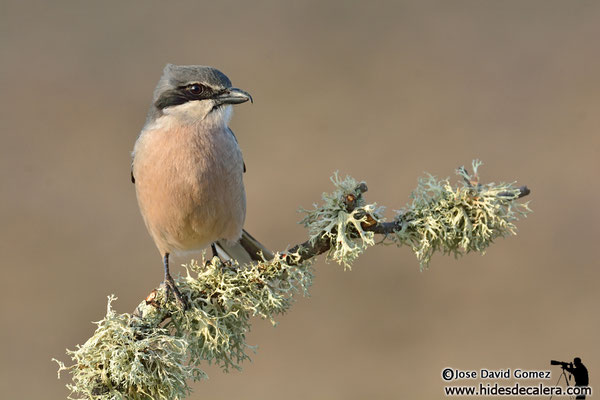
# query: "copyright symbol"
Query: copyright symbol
{"points": [[448, 374]]}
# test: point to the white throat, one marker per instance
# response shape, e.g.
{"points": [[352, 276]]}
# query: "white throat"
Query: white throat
{"points": [[200, 112]]}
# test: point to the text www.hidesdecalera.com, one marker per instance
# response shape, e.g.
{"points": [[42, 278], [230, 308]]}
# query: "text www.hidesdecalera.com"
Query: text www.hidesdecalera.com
{"points": [[493, 388]]}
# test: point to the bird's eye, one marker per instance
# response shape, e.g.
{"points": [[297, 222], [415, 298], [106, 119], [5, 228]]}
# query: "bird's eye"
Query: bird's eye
{"points": [[196, 89]]}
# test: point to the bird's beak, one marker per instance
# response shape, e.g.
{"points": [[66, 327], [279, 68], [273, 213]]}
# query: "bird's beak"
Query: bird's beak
{"points": [[233, 96]]}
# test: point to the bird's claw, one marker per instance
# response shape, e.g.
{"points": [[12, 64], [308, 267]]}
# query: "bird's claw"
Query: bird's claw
{"points": [[218, 261], [171, 287]]}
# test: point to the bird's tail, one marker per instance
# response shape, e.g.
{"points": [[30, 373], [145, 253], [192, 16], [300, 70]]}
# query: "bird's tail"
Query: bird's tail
{"points": [[245, 250]]}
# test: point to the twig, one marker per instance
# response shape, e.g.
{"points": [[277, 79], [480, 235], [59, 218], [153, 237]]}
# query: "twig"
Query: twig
{"points": [[314, 247]]}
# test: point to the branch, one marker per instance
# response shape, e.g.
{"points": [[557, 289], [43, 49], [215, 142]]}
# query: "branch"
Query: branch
{"points": [[313, 248], [155, 351], [321, 244]]}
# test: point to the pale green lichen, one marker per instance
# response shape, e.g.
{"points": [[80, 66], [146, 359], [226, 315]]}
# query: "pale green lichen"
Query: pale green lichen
{"points": [[222, 300], [341, 226], [124, 361], [458, 220], [155, 352]]}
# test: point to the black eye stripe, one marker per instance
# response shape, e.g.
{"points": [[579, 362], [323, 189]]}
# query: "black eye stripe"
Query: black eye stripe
{"points": [[183, 94], [170, 98]]}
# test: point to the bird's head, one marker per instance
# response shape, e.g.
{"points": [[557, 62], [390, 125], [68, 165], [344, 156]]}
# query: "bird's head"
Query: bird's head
{"points": [[195, 92]]}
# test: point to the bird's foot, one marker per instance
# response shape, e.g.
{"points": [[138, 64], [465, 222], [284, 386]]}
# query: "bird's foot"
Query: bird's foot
{"points": [[212, 260], [171, 287], [217, 261], [215, 253]]}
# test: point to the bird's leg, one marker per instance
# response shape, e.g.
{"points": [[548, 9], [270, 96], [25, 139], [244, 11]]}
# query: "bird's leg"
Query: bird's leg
{"points": [[213, 247], [224, 263], [170, 283]]}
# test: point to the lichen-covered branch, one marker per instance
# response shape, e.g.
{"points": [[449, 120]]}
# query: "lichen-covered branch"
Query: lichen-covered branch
{"points": [[440, 218], [157, 350], [314, 247]]}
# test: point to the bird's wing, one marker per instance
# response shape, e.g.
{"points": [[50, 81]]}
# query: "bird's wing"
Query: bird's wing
{"points": [[245, 250], [235, 138]]}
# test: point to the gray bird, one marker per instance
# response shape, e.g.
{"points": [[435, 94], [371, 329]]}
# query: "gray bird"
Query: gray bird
{"points": [[188, 168]]}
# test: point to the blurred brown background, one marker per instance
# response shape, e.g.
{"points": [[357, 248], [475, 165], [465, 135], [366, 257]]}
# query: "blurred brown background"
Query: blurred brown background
{"points": [[380, 90]]}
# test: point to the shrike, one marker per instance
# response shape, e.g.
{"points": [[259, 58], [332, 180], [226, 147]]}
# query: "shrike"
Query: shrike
{"points": [[188, 168]]}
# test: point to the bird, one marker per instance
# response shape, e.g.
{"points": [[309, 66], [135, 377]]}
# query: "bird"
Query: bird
{"points": [[187, 168]]}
